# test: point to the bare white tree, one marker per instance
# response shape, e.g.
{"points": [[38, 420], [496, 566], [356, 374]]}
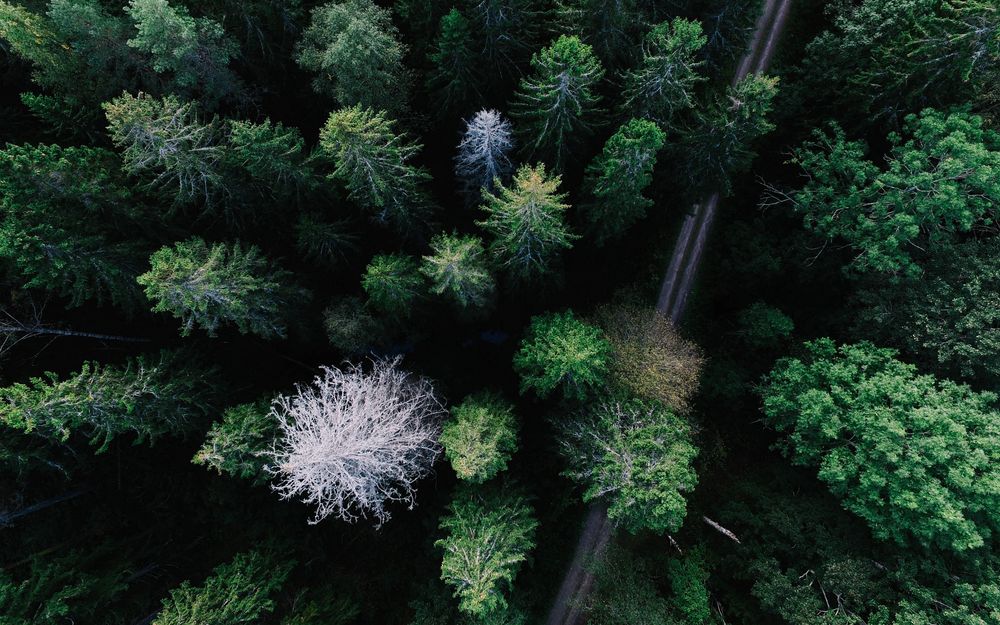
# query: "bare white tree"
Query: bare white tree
{"points": [[356, 439], [482, 154]]}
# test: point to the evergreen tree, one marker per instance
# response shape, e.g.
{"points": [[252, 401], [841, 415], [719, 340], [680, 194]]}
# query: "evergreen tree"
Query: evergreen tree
{"points": [[148, 397], [487, 538], [239, 445], [940, 179], [455, 77], [557, 105], [718, 145], [914, 456], [560, 350], [68, 223], [194, 52], [354, 49], [527, 223], [163, 140], [269, 157], [638, 455], [351, 327], [480, 437], [663, 84], [483, 155], [611, 27], [393, 284], [324, 243], [237, 592], [619, 175], [373, 162], [208, 286], [458, 270], [506, 30]]}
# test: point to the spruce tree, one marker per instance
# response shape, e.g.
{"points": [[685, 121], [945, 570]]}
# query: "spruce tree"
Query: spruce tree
{"points": [[354, 49], [487, 538], [393, 284], [527, 222], [663, 84], [240, 444], [618, 176], [480, 436], [557, 105], [559, 350], [210, 286], [458, 270], [484, 153], [455, 77], [373, 163]]}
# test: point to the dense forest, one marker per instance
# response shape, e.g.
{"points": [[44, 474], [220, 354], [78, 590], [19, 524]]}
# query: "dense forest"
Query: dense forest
{"points": [[345, 312]]}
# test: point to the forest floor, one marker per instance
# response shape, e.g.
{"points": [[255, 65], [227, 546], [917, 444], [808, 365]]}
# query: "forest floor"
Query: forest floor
{"points": [[567, 608]]}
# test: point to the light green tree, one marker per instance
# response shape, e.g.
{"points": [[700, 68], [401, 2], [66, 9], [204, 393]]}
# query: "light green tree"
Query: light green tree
{"points": [[663, 84], [487, 537], [557, 105], [373, 163], [618, 176], [480, 436], [458, 270], [559, 350], [238, 592], [527, 222], [354, 49], [210, 286], [147, 397], [914, 456]]}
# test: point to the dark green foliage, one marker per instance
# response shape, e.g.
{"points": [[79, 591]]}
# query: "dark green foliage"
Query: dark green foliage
{"points": [[351, 327], [148, 397], [718, 145], [238, 592], [456, 75], [487, 538], [913, 456], [559, 350], [637, 455], [940, 178], [324, 243], [480, 436], [618, 177], [527, 222], [211, 286], [611, 27], [353, 48], [556, 106], [239, 445], [67, 223], [271, 155], [663, 84], [393, 284], [764, 326]]}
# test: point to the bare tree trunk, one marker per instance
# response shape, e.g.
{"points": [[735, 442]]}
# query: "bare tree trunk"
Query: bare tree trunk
{"points": [[5, 519], [721, 530]]}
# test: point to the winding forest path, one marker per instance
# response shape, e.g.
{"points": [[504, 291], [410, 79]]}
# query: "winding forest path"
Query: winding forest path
{"points": [[567, 608]]}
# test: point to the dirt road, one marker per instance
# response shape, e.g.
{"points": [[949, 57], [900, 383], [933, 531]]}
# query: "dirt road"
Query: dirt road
{"points": [[567, 609]]}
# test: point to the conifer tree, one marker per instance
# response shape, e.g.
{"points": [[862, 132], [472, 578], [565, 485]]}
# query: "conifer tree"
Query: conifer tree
{"points": [[393, 284], [240, 444], [458, 270], [557, 104], [456, 75], [163, 140], [559, 350], [619, 175], [527, 222], [210, 286], [487, 538], [506, 30], [240, 591], [663, 83], [373, 162], [268, 157], [638, 455], [483, 155], [718, 145], [610, 27], [194, 52], [67, 223], [480, 436], [354, 49], [148, 397]]}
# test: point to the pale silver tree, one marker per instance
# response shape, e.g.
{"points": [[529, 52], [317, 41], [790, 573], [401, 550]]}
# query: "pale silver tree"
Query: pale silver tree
{"points": [[482, 154], [356, 440]]}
